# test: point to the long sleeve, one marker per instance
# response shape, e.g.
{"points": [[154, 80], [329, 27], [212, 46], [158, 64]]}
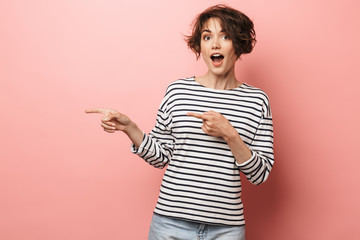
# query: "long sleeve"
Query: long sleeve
{"points": [[201, 182], [258, 167], [157, 147]]}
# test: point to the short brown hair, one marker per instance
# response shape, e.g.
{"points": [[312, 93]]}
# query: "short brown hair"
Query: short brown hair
{"points": [[237, 26]]}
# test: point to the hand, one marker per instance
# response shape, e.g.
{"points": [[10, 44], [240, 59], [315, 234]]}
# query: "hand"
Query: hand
{"points": [[215, 124], [112, 120]]}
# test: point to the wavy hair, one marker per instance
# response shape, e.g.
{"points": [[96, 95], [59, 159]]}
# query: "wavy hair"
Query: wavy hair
{"points": [[236, 24]]}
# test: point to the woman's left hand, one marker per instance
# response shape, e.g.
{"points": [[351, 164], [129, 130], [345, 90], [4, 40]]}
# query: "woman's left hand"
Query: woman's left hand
{"points": [[215, 124]]}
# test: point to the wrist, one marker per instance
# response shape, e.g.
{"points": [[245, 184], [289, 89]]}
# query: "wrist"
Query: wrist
{"points": [[134, 134], [130, 128], [231, 135]]}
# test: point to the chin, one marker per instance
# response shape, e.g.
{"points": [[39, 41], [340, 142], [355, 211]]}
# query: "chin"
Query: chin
{"points": [[219, 72]]}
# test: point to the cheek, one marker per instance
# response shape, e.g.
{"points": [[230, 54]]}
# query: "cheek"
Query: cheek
{"points": [[228, 45], [231, 52], [202, 48]]}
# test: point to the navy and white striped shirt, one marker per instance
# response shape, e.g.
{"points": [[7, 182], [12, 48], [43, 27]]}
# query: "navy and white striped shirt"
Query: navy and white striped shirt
{"points": [[202, 180]]}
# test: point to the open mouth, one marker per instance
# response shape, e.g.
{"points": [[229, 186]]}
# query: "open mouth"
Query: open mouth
{"points": [[217, 57]]}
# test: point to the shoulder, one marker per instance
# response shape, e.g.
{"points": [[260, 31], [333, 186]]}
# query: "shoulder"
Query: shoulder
{"points": [[181, 84], [254, 91], [259, 95], [175, 88]]}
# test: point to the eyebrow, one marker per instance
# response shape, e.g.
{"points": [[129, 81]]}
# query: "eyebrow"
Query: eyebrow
{"points": [[208, 31]]}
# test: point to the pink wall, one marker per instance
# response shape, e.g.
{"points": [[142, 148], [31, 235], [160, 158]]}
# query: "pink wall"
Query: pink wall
{"points": [[62, 177]]}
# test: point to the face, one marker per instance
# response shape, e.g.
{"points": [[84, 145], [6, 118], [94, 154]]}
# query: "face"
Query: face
{"points": [[217, 48]]}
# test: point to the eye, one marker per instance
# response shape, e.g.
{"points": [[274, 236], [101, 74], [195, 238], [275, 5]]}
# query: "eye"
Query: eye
{"points": [[206, 37], [225, 37]]}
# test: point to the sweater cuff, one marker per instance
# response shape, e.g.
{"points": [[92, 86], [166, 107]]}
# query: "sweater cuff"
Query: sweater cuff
{"points": [[139, 150], [247, 162]]}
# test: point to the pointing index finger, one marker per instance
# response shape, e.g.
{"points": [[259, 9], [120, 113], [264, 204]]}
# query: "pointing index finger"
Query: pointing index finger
{"points": [[96, 110], [197, 115]]}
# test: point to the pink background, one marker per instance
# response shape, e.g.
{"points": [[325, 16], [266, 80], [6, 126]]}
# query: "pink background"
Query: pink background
{"points": [[62, 177]]}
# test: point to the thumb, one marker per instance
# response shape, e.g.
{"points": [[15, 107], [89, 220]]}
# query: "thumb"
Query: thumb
{"points": [[107, 117], [111, 116]]}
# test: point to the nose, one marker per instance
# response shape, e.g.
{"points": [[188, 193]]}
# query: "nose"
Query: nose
{"points": [[215, 44]]}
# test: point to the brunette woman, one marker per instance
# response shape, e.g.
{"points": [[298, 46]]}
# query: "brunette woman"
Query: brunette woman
{"points": [[208, 129]]}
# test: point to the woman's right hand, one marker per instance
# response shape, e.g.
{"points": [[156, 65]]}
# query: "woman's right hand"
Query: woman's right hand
{"points": [[112, 120]]}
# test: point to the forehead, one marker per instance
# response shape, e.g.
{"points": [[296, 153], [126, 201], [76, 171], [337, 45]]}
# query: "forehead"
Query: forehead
{"points": [[213, 24]]}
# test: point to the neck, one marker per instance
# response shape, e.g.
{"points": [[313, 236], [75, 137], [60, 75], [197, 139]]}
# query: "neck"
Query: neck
{"points": [[220, 82]]}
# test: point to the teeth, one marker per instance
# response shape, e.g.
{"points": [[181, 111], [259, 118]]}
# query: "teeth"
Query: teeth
{"points": [[216, 55]]}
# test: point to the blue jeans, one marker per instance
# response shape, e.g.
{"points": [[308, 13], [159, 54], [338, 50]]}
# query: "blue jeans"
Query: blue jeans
{"points": [[166, 228]]}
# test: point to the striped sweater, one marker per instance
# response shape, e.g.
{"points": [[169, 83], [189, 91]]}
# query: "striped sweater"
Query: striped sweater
{"points": [[202, 180]]}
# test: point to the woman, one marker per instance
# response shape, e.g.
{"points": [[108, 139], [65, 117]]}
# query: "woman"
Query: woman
{"points": [[208, 129]]}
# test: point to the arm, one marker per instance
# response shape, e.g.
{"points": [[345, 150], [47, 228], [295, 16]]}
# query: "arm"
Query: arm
{"points": [[255, 163], [155, 148], [257, 169], [217, 125]]}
